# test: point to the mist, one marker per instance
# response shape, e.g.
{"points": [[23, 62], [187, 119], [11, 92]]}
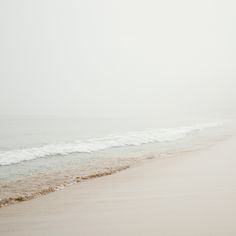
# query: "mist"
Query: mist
{"points": [[117, 58]]}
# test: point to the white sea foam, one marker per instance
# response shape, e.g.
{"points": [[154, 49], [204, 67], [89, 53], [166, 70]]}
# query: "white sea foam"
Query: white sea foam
{"points": [[98, 144]]}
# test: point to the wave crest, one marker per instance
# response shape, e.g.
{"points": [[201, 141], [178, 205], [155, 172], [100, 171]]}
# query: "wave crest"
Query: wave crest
{"points": [[99, 144]]}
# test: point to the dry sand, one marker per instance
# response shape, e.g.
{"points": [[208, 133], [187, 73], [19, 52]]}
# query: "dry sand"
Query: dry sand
{"points": [[191, 194]]}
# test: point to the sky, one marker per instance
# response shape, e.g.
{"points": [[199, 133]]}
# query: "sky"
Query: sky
{"points": [[126, 58]]}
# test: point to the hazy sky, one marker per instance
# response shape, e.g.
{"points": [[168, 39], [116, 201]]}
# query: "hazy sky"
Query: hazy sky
{"points": [[117, 58]]}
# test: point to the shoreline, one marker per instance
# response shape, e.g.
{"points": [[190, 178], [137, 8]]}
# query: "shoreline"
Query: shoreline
{"points": [[5, 202], [190, 194], [70, 179]]}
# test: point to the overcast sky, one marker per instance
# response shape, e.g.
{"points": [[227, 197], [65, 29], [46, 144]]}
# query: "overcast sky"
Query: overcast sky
{"points": [[107, 58]]}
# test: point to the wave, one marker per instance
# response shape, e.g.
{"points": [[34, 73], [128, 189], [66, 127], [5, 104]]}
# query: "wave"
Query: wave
{"points": [[25, 196], [98, 144]]}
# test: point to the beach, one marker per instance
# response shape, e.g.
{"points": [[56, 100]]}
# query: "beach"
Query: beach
{"points": [[117, 118], [193, 193]]}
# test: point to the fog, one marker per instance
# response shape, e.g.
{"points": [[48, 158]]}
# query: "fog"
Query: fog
{"points": [[125, 58]]}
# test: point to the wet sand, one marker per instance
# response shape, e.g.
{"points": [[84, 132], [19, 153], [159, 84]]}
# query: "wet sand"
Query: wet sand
{"points": [[190, 194]]}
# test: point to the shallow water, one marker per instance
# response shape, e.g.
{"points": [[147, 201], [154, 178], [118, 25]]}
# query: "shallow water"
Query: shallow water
{"points": [[37, 159]]}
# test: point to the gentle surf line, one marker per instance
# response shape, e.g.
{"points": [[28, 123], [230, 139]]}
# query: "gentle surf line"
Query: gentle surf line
{"points": [[98, 144]]}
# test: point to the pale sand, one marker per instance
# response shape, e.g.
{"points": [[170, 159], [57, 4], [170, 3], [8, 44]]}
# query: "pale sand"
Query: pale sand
{"points": [[191, 194]]}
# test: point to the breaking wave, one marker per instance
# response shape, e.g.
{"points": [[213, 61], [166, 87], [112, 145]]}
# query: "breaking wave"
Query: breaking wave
{"points": [[98, 144]]}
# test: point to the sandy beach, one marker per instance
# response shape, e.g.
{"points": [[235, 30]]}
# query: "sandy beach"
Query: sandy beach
{"points": [[189, 194], [118, 118]]}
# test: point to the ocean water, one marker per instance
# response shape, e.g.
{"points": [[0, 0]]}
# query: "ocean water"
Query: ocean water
{"points": [[39, 155]]}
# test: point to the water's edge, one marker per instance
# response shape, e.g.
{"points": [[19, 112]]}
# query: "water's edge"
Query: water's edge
{"points": [[25, 197], [98, 174]]}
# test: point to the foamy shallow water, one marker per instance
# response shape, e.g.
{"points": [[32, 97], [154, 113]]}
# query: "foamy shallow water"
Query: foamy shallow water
{"points": [[32, 171], [103, 143]]}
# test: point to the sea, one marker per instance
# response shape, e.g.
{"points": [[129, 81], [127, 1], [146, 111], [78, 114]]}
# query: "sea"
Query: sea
{"points": [[40, 155]]}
